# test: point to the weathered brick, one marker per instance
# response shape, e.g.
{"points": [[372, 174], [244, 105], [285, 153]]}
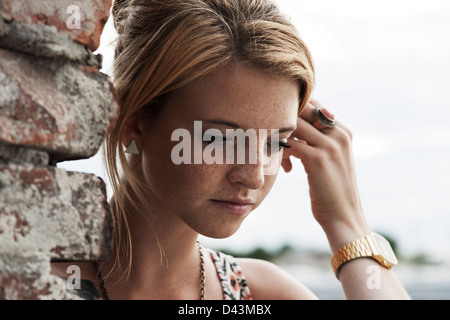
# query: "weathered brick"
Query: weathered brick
{"points": [[93, 15], [45, 41], [16, 154], [49, 210], [26, 276], [54, 105], [3, 27], [48, 214]]}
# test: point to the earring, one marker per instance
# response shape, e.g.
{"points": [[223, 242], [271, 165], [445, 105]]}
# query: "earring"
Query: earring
{"points": [[132, 148]]}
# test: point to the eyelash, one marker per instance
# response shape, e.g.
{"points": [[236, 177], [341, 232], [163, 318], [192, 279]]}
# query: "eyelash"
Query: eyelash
{"points": [[284, 145], [281, 145]]}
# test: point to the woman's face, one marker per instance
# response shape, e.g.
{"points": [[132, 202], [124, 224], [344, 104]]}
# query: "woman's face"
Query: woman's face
{"points": [[214, 199]]}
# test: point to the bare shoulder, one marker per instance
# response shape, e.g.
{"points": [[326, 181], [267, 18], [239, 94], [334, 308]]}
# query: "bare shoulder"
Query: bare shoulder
{"points": [[267, 281]]}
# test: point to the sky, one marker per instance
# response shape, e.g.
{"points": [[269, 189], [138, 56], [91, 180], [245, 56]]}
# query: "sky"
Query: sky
{"points": [[383, 68]]}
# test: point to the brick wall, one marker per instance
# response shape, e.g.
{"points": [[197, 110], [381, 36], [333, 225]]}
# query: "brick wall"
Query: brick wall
{"points": [[55, 105]]}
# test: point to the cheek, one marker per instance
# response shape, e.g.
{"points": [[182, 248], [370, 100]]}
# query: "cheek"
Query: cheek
{"points": [[188, 183], [193, 180]]}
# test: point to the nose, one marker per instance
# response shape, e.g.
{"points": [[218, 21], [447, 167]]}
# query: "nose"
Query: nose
{"points": [[250, 175], [259, 163]]}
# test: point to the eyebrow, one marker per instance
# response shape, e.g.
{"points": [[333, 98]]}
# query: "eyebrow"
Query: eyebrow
{"points": [[235, 125]]}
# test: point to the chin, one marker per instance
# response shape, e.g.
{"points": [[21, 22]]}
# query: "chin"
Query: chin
{"points": [[219, 235], [218, 230]]}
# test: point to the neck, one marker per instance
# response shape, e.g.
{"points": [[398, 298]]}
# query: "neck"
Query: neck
{"points": [[165, 258]]}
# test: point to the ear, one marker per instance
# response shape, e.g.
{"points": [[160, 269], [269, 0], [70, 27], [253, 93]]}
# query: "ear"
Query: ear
{"points": [[132, 131]]}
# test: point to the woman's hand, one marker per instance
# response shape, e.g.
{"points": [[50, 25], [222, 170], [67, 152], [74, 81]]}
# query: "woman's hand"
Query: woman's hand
{"points": [[326, 154]]}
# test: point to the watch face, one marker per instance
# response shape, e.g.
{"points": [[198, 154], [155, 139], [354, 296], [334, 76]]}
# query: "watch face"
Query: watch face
{"points": [[385, 249]]}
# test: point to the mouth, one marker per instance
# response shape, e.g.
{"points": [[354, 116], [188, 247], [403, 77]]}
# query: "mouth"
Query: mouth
{"points": [[235, 206]]}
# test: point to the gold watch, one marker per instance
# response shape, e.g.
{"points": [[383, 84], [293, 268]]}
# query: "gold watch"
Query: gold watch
{"points": [[372, 246]]}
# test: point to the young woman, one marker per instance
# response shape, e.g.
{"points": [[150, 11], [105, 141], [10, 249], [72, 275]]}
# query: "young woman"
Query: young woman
{"points": [[226, 65]]}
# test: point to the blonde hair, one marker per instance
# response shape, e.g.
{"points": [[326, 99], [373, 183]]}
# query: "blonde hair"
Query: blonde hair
{"points": [[164, 45]]}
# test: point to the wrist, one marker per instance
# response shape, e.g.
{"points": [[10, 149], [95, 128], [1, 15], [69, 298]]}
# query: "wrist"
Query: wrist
{"points": [[341, 234]]}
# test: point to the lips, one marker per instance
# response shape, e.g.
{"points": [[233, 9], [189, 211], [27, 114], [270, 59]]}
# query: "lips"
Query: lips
{"points": [[234, 206]]}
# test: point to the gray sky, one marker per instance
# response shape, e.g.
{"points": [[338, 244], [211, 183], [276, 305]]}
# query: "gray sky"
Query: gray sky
{"points": [[383, 67]]}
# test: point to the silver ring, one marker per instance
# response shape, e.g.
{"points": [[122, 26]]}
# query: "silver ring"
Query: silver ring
{"points": [[323, 119]]}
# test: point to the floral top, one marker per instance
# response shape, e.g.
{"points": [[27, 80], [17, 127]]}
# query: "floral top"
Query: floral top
{"points": [[233, 282]]}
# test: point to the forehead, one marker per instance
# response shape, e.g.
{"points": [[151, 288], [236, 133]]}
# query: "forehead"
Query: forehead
{"points": [[242, 95]]}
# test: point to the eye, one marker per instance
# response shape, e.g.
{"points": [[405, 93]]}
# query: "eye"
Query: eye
{"points": [[212, 138], [284, 145], [277, 145]]}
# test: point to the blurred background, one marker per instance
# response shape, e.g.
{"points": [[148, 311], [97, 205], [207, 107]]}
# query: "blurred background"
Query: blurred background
{"points": [[383, 68]]}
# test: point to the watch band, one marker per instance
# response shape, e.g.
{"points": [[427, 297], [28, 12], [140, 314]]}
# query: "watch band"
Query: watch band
{"points": [[356, 249]]}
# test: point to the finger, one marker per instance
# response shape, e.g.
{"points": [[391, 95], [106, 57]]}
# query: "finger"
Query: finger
{"points": [[309, 114], [309, 134], [286, 164], [300, 150]]}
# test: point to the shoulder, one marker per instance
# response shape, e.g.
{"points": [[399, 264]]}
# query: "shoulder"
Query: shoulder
{"points": [[267, 281]]}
